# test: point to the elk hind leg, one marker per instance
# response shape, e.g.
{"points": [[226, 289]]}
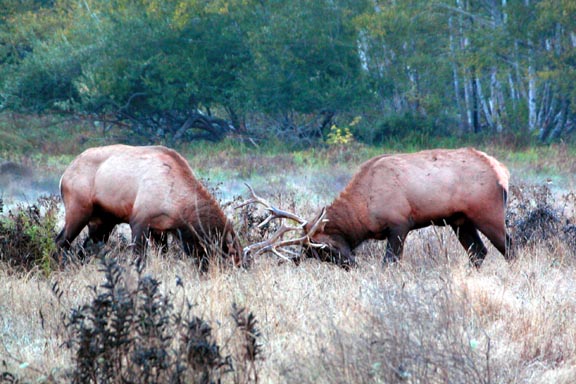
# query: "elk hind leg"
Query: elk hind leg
{"points": [[139, 231], [75, 221], [99, 231]]}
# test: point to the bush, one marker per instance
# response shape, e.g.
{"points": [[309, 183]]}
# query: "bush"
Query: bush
{"points": [[408, 128], [536, 216], [135, 334], [27, 235]]}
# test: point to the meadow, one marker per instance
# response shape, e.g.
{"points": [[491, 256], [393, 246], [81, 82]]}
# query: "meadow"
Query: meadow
{"points": [[430, 318]]}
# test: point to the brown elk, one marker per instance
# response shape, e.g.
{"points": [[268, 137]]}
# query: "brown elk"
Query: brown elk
{"points": [[391, 195], [153, 189]]}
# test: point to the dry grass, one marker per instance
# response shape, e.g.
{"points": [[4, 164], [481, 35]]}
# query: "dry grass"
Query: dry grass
{"points": [[428, 319]]}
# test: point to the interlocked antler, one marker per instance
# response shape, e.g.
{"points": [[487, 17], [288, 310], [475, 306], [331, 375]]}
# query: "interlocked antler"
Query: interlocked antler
{"points": [[275, 244]]}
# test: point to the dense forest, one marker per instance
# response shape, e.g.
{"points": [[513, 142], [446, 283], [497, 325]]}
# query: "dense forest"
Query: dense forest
{"points": [[173, 70]]}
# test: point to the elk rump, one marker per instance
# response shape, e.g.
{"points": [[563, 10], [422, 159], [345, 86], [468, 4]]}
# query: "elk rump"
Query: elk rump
{"points": [[153, 189], [393, 194]]}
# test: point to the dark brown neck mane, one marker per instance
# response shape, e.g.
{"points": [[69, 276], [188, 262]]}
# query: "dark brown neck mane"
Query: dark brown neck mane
{"points": [[344, 221]]}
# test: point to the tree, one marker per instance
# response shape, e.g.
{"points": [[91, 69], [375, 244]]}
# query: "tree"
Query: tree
{"points": [[185, 69], [305, 61]]}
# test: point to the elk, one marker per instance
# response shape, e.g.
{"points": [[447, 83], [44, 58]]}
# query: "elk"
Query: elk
{"points": [[153, 189], [391, 195]]}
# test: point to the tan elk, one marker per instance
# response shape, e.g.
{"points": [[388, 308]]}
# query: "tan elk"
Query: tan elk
{"points": [[391, 195], [153, 189]]}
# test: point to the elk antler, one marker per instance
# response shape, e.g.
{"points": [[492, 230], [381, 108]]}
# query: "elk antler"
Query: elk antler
{"points": [[275, 242]]}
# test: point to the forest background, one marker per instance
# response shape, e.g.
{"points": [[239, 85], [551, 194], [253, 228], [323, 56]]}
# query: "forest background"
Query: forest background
{"points": [[180, 70]]}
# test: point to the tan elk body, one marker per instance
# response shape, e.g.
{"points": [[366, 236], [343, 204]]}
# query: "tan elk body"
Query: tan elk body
{"points": [[152, 188], [391, 195]]}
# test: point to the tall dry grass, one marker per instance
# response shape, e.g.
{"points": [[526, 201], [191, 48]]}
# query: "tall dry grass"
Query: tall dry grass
{"points": [[430, 318]]}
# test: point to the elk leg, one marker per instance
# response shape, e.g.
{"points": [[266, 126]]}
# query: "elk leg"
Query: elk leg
{"points": [[194, 246], [470, 240], [99, 231], [509, 248], [70, 231], [496, 233], [200, 253], [395, 245], [139, 231], [197, 250]]}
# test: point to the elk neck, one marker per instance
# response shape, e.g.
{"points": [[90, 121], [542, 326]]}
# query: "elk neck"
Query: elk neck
{"points": [[345, 221]]}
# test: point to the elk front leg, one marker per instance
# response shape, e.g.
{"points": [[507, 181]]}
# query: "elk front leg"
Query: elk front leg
{"points": [[470, 240], [395, 245], [139, 231]]}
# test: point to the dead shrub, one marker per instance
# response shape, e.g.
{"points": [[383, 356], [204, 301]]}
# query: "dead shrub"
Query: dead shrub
{"points": [[536, 216]]}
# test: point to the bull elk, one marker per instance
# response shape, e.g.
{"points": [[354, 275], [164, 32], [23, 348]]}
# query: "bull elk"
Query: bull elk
{"points": [[391, 195], [151, 188]]}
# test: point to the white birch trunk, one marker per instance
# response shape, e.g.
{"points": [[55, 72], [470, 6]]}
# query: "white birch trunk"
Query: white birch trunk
{"points": [[468, 102], [467, 77], [497, 105], [532, 112], [455, 76], [484, 103]]}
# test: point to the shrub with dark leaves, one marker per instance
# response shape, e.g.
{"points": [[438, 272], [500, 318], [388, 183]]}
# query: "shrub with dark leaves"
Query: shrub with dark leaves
{"points": [[134, 335], [249, 349]]}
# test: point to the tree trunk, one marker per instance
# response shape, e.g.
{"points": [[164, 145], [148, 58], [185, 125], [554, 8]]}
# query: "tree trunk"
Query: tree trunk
{"points": [[455, 75], [497, 106], [484, 104], [475, 110], [532, 108]]}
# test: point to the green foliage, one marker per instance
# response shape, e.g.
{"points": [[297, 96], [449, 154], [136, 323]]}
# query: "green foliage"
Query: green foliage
{"points": [[27, 235], [299, 67], [242, 59], [234, 55], [407, 128]]}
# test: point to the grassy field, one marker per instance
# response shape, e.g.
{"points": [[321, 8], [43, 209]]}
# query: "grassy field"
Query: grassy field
{"points": [[430, 318]]}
